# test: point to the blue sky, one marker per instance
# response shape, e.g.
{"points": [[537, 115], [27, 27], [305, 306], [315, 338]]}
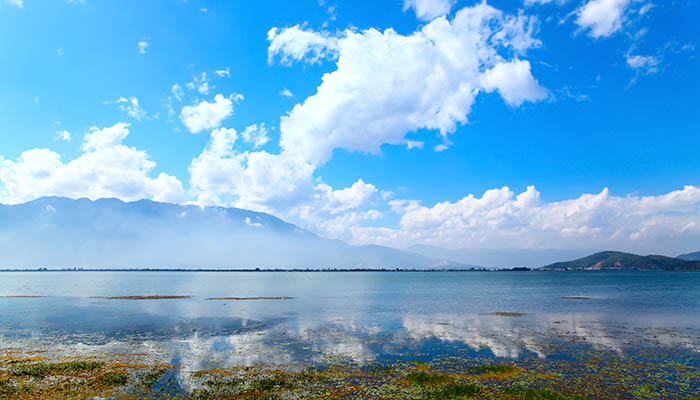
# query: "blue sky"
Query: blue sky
{"points": [[570, 97]]}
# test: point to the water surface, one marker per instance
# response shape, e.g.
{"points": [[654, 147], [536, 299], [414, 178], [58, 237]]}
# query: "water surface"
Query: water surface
{"points": [[356, 317]]}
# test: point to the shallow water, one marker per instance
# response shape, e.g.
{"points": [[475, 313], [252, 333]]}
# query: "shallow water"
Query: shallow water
{"points": [[356, 317]]}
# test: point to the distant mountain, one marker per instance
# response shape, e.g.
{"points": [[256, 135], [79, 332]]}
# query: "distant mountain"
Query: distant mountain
{"points": [[690, 256], [498, 258], [615, 260], [58, 232]]}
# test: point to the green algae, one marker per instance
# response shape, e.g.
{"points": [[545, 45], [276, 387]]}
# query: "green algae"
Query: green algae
{"points": [[493, 369], [587, 374], [540, 394], [40, 370]]}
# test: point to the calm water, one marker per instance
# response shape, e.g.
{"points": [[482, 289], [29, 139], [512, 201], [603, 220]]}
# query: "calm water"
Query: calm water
{"points": [[358, 316]]}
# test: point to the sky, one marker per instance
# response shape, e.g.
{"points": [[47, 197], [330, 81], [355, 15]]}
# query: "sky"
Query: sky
{"points": [[461, 124]]}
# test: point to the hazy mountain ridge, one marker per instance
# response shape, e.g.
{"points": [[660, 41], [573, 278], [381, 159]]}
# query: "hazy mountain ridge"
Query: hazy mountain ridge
{"points": [[498, 258], [690, 256], [58, 232], [616, 260]]}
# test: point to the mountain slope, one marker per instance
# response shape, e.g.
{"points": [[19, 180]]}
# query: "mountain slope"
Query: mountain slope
{"points": [[497, 258], [690, 256], [109, 233], [615, 260]]}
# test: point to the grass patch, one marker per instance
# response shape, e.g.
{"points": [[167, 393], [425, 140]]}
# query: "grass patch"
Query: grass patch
{"points": [[507, 314], [6, 387], [493, 369], [115, 379], [156, 297], [273, 382], [150, 378], [646, 391], [459, 391], [540, 394], [426, 378], [40, 370]]}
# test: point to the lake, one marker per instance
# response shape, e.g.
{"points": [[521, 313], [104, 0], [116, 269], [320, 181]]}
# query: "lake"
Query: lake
{"points": [[364, 319]]}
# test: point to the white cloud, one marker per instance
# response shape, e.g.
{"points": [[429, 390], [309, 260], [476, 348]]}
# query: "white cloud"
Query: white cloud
{"points": [[63, 135], [286, 93], [296, 44], [37, 100], [387, 84], [201, 83], [177, 92], [59, 52], [255, 134], [541, 2], [105, 168], [414, 144], [514, 82], [207, 115], [16, 3], [429, 9], [349, 198], [142, 46], [223, 72], [131, 107], [280, 184], [602, 17], [648, 64], [501, 219], [258, 180], [646, 7]]}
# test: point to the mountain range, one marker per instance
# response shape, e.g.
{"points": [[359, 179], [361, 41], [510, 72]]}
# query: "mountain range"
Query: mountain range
{"points": [[498, 258], [615, 260], [690, 256], [58, 232]]}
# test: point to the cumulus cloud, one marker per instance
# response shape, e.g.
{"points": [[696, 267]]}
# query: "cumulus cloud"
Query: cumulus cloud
{"points": [[602, 17], [500, 218], [276, 183], [258, 180], [286, 93], [105, 168], [429, 9], [352, 197], [256, 135], [387, 84], [206, 115], [142, 46], [514, 82], [297, 44]]}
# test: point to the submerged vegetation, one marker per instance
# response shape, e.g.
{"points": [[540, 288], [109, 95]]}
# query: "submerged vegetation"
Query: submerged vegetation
{"points": [[601, 376]]}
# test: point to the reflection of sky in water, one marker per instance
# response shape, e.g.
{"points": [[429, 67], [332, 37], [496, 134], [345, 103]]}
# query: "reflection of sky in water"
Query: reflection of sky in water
{"points": [[354, 317]]}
